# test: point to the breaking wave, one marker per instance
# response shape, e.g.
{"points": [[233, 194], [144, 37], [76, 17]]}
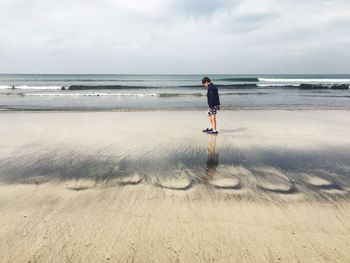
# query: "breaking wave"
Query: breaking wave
{"points": [[94, 94], [306, 80], [248, 79], [25, 87]]}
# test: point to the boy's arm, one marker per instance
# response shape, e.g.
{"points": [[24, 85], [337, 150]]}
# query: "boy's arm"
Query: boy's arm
{"points": [[217, 96], [211, 98]]}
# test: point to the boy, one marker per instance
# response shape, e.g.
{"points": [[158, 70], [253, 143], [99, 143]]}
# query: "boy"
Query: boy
{"points": [[214, 104]]}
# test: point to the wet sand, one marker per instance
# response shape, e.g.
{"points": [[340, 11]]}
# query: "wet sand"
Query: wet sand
{"points": [[273, 186]]}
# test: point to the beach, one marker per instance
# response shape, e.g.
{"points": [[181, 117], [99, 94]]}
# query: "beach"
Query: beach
{"points": [[149, 186]]}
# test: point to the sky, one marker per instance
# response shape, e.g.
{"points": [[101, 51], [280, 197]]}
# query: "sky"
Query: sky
{"points": [[175, 36]]}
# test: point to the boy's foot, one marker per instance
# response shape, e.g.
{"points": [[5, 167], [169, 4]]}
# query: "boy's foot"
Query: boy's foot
{"points": [[213, 132], [207, 130]]}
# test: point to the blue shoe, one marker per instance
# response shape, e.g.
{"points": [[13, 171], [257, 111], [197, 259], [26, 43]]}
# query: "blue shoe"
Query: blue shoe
{"points": [[207, 130], [213, 132]]}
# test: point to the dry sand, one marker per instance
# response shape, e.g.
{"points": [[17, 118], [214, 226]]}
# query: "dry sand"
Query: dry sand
{"points": [[149, 187]]}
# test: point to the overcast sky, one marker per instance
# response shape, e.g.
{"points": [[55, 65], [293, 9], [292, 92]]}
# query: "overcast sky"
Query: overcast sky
{"points": [[174, 36]]}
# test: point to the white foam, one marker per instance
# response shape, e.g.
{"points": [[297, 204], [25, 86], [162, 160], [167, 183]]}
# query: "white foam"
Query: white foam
{"points": [[91, 94], [5, 87], [25, 87], [277, 85], [314, 80]]}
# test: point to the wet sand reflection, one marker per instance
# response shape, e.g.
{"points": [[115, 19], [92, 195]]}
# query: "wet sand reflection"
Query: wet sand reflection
{"points": [[319, 174], [212, 160]]}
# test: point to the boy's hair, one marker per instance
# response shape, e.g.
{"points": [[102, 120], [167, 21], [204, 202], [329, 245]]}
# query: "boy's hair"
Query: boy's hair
{"points": [[206, 80]]}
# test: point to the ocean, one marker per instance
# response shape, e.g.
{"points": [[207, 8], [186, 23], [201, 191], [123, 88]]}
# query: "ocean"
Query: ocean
{"points": [[171, 92]]}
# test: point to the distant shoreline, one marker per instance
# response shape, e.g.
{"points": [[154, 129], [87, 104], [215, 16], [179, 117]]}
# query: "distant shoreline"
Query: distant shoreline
{"points": [[172, 110]]}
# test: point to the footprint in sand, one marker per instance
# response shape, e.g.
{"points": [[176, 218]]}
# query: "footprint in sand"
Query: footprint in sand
{"points": [[226, 182], [126, 179], [80, 185], [132, 179], [39, 179], [224, 178], [180, 179], [273, 180], [318, 182]]}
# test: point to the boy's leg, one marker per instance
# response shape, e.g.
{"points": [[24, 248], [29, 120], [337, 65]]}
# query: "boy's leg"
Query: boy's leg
{"points": [[213, 120], [210, 121]]}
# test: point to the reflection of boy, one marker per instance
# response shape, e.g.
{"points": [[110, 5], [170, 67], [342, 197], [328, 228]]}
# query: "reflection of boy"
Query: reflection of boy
{"points": [[213, 103], [212, 157]]}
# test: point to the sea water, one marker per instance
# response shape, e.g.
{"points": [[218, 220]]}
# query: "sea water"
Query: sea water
{"points": [[171, 92]]}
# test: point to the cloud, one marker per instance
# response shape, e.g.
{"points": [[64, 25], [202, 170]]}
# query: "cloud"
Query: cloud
{"points": [[200, 7], [169, 36]]}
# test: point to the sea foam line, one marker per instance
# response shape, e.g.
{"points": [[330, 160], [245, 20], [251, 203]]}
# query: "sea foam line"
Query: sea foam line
{"points": [[91, 94], [277, 85], [314, 80], [26, 87], [5, 87]]}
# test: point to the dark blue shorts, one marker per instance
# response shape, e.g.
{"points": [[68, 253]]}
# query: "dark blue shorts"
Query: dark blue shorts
{"points": [[213, 110]]}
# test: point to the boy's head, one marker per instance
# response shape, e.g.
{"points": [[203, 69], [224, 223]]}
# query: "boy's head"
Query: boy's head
{"points": [[206, 81]]}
